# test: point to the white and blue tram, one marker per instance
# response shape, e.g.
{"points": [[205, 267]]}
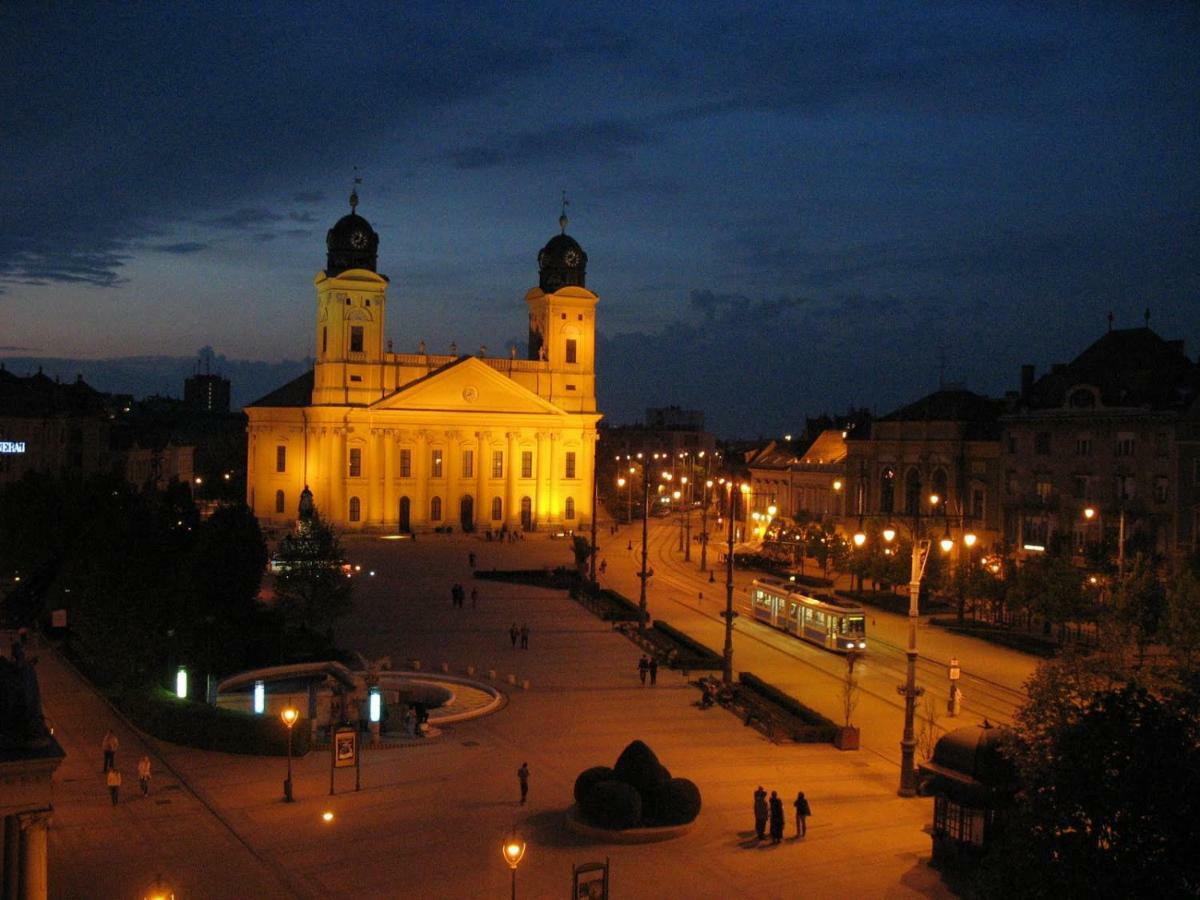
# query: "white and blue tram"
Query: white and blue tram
{"points": [[829, 622]]}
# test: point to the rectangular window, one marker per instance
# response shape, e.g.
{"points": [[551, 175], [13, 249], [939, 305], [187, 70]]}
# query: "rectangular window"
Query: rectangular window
{"points": [[356, 339], [1044, 489], [324, 338], [281, 459], [570, 464], [526, 463], [1160, 489], [977, 503], [1041, 443], [435, 463], [468, 464], [1083, 446], [405, 463], [1125, 487], [497, 463], [1125, 444], [571, 349], [355, 462], [1079, 487]]}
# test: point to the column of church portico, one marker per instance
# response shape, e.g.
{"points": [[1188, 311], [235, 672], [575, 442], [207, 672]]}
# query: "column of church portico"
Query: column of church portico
{"points": [[541, 501], [512, 514], [390, 514], [33, 855], [372, 513], [420, 505], [325, 502], [589, 473], [338, 474], [482, 468], [452, 466], [553, 512]]}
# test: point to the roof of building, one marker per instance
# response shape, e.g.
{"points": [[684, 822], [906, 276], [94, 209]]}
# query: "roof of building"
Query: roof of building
{"points": [[829, 447], [969, 765], [37, 396], [562, 262], [297, 392], [1130, 367]]}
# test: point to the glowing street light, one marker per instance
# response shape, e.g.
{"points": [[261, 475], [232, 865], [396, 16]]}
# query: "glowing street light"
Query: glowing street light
{"points": [[513, 851], [289, 715]]}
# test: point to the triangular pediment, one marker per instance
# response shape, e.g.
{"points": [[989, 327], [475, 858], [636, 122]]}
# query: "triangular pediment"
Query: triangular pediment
{"points": [[467, 385]]}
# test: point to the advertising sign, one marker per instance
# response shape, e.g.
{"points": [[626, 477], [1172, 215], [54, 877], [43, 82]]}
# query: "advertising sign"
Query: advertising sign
{"points": [[345, 748]]}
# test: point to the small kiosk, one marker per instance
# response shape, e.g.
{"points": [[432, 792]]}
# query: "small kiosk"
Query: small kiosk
{"points": [[973, 785]]}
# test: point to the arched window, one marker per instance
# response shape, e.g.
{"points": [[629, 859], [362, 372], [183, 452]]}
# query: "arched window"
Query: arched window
{"points": [[912, 493], [280, 503], [887, 490], [355, 509], [497, 509], [435, 509], [569, 512]]}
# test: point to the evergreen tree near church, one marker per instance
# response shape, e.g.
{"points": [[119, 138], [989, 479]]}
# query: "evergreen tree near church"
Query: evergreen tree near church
{"points": [[311, 589]]}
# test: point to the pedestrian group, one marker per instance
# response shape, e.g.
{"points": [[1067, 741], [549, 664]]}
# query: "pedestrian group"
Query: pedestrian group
{"points": [[768, 814]]}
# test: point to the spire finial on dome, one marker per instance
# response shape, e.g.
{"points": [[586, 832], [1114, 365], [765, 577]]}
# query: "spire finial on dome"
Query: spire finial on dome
{"points": [[562, 219], [354, 191]]}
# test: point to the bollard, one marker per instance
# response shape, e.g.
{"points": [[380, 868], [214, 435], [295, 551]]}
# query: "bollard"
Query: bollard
{"points": [[525, 685], [492, 674], [445, 668], [512, 679], [470, 670], [416, 664]]}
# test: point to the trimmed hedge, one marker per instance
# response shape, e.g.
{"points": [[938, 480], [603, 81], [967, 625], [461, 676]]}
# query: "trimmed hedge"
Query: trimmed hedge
{"points": [[607, 604], [689, 653], [812, 728], [895, 603], [1014, 640], [162, 714], [638, 791], [560, 578]]}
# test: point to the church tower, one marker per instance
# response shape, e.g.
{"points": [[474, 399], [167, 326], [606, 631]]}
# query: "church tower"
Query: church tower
{"points": [[562, 322], [351, 311]]}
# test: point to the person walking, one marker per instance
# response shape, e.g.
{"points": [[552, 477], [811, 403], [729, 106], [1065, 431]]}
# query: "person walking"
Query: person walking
{"points": [[653, 671], [776, 818], [513, 634], [603, 566], [643, 669], [109, 745], [471, 560], [523, 778], [524, 637], [760, 813], [144, 775], [474, 597], [803, 811], [113, 779]]}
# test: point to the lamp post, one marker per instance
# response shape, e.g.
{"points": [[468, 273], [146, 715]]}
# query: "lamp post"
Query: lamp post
{"points": [[727, 656], [513, 850], [642, 576], [1089, 513], [595, 511], [909, 689], [289, 715], [704, 523]]}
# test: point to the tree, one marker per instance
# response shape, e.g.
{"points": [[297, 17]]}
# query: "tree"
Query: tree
{"points": [[311, 589], [228, 560], [1139, 605], [1108, 780], [1183, 617]]}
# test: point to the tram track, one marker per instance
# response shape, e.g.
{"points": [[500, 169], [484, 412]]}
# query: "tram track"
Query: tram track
{"points": [[985, 698]]}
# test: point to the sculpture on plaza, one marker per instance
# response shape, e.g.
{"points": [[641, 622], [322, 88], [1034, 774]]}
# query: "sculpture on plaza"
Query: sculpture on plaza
{"points": [[638, 792]]}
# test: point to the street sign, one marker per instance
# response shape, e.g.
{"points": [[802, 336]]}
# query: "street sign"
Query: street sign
{"points": [[954, 670]]}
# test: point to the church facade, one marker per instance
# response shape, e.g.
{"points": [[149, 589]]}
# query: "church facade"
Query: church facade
{"points": [[409, 442]]}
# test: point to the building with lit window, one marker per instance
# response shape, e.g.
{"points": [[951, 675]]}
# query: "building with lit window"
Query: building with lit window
{"points": [[405, 442]]}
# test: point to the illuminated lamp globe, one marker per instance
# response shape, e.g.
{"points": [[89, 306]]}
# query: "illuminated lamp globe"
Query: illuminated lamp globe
{"points": [[513, 851], [889, 534], [859, 539], [946, 544], [969, 539]]}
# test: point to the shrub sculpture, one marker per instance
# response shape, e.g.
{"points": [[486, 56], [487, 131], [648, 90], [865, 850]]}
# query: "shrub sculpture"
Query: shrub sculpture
{"points": [[637, 792]]}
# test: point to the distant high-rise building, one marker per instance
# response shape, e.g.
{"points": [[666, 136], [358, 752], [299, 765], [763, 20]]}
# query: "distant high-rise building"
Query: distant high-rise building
{"points": [[207, 393]]}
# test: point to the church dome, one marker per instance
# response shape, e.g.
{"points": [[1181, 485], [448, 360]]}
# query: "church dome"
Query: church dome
{"points": [[352, 243], [561, 262]]}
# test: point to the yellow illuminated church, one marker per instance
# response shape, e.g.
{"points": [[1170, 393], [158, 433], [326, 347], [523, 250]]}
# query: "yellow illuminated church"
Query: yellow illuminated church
{"points": [[409, 442]]}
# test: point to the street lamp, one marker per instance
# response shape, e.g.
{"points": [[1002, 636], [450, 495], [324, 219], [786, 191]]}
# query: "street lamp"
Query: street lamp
{"points": [[727, 656], [1089, 513], [704, 524], [289, 715], [513, 851]]}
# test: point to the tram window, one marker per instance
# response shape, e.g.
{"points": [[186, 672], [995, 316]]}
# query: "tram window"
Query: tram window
{"points": [[857, 624]]}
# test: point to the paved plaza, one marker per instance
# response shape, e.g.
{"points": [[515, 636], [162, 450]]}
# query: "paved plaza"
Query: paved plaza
{"points": [[431, 815]]}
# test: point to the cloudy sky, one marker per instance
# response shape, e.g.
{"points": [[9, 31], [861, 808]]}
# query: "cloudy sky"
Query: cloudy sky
{"points": [[787, 208]]}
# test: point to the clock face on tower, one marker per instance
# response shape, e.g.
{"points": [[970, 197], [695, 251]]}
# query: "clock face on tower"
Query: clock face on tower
{"points": [[571, 258], [358, 240]]}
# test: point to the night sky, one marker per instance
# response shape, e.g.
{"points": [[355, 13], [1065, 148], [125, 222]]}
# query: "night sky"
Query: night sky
{"points": [[787, 208]]}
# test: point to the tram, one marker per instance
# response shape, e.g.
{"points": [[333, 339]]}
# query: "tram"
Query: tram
{"points": [[829, 622]]}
